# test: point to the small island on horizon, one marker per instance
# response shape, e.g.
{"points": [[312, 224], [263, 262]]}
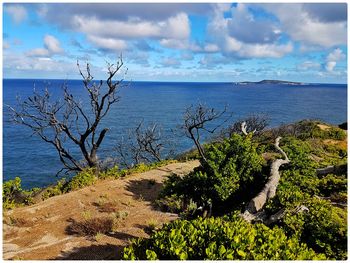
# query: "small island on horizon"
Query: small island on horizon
{"points": [[271, 81]]}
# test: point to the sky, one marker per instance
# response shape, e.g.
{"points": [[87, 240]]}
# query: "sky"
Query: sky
{"points": [[227, 42]]}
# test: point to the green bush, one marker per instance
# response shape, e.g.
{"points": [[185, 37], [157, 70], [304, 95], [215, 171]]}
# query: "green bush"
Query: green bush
{"points": [[231, 166], [113, 172], [9, 190], [57, 189], [218, 238], [82, 179], [331, 183], [323, 228]]}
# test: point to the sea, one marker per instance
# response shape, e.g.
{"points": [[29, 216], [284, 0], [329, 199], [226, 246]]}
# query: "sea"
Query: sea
{"points": [[162, 103]]}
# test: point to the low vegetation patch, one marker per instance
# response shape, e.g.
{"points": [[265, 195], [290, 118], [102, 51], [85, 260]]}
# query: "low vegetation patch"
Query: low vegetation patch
{"points": [[312, 206], [14, 195], [92, 226], [219, 239]]}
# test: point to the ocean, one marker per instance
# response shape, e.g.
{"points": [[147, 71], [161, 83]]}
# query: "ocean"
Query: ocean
{"points": [[27, 156]]}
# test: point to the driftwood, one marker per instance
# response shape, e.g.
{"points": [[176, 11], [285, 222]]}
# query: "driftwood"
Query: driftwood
{"points": [[269, 191], [332, 170], [244, 128]]}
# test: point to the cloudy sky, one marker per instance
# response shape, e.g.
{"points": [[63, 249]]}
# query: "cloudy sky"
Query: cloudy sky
{"points": [[178, 42]]}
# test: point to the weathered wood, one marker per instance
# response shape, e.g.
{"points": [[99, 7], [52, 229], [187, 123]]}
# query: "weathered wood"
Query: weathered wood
{"points": [[332, 170], [269, 190], [244, 128]]}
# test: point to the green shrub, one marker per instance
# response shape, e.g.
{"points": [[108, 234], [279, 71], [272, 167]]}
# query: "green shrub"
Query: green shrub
{"points": [[218, 238], [82, 179], [9, 190], [332, 184], [57, 189], [323, 228], [113, 172], [335, 133], [232, 165]]}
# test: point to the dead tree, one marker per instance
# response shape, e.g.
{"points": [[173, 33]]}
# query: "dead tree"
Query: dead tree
{"points": [[253, 210], [255, 123], [143, 145], [66, 123], [196, 119]]}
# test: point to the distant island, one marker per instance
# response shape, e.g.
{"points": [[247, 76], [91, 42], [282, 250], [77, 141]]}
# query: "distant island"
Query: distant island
{"points": [[270, 81]]}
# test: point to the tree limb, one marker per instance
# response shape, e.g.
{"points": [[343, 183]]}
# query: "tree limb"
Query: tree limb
{"points": [[269, 190]]}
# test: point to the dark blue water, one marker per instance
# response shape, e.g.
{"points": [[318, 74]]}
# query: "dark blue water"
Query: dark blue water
{"points": [[36, 162]]}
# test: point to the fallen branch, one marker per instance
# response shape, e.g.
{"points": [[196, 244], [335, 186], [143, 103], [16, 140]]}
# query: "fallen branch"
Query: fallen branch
{"points": [[269, 190], [331, 170]]}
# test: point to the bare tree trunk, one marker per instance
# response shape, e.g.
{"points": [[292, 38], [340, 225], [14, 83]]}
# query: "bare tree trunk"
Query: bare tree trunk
{"points": [[269, 190]]}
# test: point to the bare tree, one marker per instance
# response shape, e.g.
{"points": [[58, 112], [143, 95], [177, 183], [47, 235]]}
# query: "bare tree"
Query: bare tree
{"points": [[143, 145], [196, 119], [255, 123], [66, 122]]}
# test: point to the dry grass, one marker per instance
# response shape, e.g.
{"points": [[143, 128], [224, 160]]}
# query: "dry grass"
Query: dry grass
{"points": [[20, 222], [92, 226], [108, 207]]}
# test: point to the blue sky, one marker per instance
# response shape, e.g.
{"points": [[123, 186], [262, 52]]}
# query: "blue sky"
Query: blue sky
{"points": [[178, 42]]}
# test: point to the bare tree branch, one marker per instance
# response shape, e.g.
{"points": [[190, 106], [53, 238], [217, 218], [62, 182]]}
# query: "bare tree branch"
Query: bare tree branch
{"points": [[196, 119], [64, 122], [142, 145]]}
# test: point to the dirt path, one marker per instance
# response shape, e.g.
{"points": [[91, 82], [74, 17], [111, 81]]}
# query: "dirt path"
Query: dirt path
{"points": [[41, 231]]}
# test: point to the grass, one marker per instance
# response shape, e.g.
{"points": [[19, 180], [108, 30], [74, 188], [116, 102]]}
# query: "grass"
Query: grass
{"points": [[80, 180], [20, 222], [107, 207], [86, 214], [92, 227]]}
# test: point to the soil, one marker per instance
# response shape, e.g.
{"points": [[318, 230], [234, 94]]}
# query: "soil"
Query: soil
{"points": [[323, 126], [41, 231]]}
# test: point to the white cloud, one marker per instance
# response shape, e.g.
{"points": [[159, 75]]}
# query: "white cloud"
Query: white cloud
{"points": [[113, 34], [180, 44], [332, 59], [231, 44], [330, 65], [108, 43], [52, 44], [265, 50], [17, 12], [38, 52], [336, 55], [227, 32], [244, 27], [304, 27], [170, 62], [211, 48], [308, 65], [51, 47]]}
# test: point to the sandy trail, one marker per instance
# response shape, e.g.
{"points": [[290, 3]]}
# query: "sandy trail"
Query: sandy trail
{"points": [[40, 231]]}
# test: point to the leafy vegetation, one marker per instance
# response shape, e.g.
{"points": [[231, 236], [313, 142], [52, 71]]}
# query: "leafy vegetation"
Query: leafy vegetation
{"points": [[9, 189], [312, 204], [219, 238], [229, 167]]}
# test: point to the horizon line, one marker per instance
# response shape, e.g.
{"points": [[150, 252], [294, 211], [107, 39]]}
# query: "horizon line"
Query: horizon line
{"points": [[180, 81]]}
